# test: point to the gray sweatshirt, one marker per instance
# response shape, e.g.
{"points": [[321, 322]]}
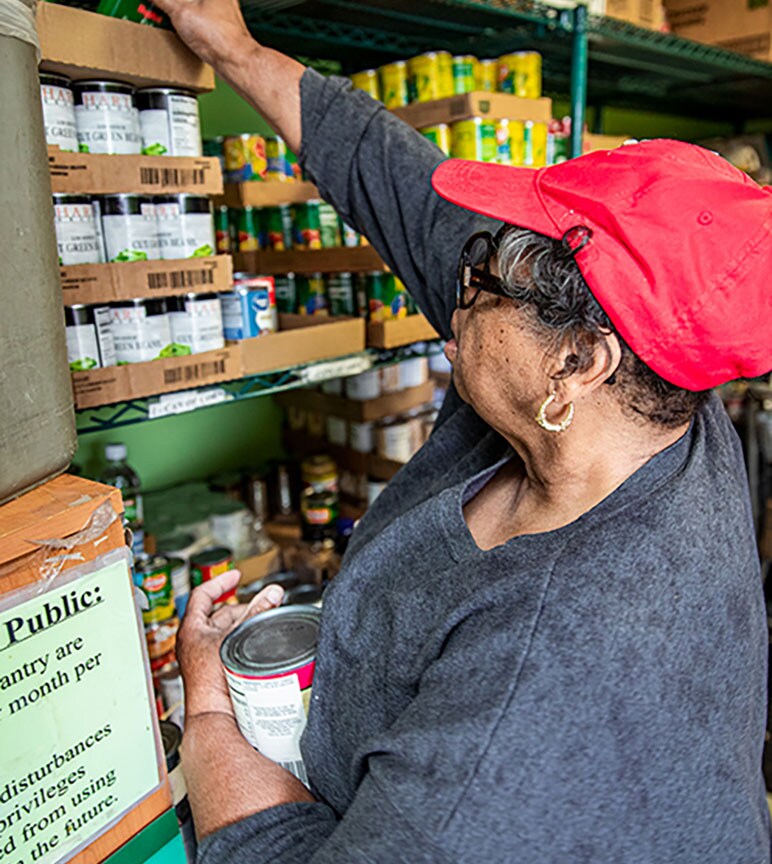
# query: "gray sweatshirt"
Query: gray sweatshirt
{"points": [[591, 694]]}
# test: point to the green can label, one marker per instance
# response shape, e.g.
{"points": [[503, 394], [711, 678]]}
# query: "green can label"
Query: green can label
{"points": [[156, 585], [278, 226], [312, 295], [286, 293], [249, 230], [329, 226], [307, 232], [340, 290], [386, 297]]}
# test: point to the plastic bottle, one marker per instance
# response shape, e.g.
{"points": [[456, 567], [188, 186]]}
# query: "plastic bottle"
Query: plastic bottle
{"points": [[120, 474]]}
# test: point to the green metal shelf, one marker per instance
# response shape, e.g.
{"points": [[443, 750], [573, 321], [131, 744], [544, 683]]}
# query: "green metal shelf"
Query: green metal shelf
{"points": [[134, 411]]}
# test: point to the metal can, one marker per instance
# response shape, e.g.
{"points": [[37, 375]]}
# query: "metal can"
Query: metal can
{"points": [[249, 310], [77, 239], [245, 157], [152, 575], [269, 665], [141, 331], [130, 228], [439, 135], [474, 139], [464, 73], [180, 573], [161, 638], [367, 80], [329, 226], [535, 144], [185, 226], [139, 11], [312, 295], [304, 595], [169, 121], [340, 291], [222, 230], [106, 118], [366, 385], [350, 236], [276, 157], [89, 337], [306, 231], [424, 77], [249, 229], [318, 511], [171, 738], [487, 75], [336, 430], [510, 142], [210, 563], [520, 74], [361, 436], [445, 60], [196, 322], [394, 84], [386, 296], [319, 473], [278, 227], [58, 112]]}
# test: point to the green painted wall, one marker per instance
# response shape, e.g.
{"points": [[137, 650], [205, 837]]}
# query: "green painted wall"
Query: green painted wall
{"points": [[224, 112]]}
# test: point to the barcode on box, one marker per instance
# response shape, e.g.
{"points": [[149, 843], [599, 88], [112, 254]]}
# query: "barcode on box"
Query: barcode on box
{"points": [[172, 176], [194, 372], [298, 769], [179, 279]]}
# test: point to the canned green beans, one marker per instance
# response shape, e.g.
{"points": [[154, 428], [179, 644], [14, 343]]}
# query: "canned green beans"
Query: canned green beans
{"points": [[195, 321], [130, 228], [341, 294], [58, 112], [141, 331], [185, 226], [106, 118], [77, 238], [307, 226], [89, 337], [169, 122], [329, 226], [286, 293], [278, 227]]}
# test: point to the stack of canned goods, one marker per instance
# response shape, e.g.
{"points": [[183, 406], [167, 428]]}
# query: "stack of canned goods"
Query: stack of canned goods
{"points": [[312, 225], [438, 74], [507, 142], [112, 117], [94, 229]]}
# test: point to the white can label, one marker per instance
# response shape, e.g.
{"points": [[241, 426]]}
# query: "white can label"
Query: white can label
{"points": [[76, 234], [199, 327], [90, 346], [132, 238], [184, 235], [172, 132], [361, 437], [108, 123], [139, 337], [272, 716], [59, 117]]}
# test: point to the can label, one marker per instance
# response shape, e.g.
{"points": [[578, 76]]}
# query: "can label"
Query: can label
{"points": [[132, 237], [271, 713], [535, 144], [174, 131], [59, 117], [367, 81], [278, 227], [464, 79], [394, 85], [286, 293], [76, 234], [312, 295], [108, 123], [440, 136], [249, 230], [278, 167], [156, 585], [245, 158], [474, 139], [250, 313], [184, 235], [90, 346], [329, 226], [487, 76], [307, 232], [200, 573], [350, 236], [139, 337], [198, 326], [386, 297], [340, 289]]}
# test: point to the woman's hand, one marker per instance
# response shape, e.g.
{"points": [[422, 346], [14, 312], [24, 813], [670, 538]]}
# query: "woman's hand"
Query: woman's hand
{"points": [[213, 29], [202, 632]]}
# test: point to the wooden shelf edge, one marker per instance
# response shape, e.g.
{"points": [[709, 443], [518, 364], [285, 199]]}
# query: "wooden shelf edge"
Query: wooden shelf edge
{"points": [[267, 194], [342, 259]]}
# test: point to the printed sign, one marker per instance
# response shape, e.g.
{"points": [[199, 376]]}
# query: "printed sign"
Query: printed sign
{"points": [[77, 748]]}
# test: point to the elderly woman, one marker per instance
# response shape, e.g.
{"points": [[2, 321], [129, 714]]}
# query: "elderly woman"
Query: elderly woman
{"points": [[547, 642]]}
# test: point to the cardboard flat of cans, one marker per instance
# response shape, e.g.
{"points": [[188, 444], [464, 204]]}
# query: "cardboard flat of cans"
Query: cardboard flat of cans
{"points": [[478, 104], [738, 25]]}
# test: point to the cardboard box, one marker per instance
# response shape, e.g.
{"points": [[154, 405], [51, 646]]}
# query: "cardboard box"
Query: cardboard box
{"points": [[83, 44], [400, 331], [343, 259], [358, 411], [106, 283], [738, 25], [302, 339], [99, 174], [649, 14], [592, 142], [267, 194], [259, 566], [479, 104], [168, 375]]}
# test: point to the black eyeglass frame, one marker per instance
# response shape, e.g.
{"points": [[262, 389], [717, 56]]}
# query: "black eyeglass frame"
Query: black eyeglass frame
{"points": [[468, 276]]}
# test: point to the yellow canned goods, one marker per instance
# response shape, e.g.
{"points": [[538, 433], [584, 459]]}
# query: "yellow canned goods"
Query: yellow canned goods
{"points": [[487, 75], [439, 135], [424, 77], [245, 157], [445, 62], [520, 74], [464, 73], [367, 80], [474, 139], [510, 142], [394, 89], [535, 144]]}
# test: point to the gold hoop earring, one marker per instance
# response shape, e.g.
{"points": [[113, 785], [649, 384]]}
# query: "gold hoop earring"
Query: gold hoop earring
{"points": [[541, 417]]}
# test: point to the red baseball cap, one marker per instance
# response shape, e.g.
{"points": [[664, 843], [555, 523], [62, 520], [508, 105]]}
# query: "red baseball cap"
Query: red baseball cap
{"points": [[679, 254]]}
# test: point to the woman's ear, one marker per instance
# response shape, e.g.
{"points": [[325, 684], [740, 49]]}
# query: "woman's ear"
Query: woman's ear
{"points": [[572, 383]]}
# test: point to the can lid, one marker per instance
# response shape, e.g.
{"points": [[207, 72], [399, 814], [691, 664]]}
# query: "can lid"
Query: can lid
{"points": [[171, 738], [277, 641], [211, 556], [116, 452]]}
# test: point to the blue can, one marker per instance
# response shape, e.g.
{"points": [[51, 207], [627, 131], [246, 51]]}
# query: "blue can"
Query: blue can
{"points": [[250, 309]]}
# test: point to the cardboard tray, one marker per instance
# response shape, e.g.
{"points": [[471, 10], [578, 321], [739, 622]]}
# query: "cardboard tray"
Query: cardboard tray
{"points": [[343, 259], [478, 104], [400, 331], [106, 283], [168, 375], [267, 194], [358, 411], [99, 174], [83, 44]]}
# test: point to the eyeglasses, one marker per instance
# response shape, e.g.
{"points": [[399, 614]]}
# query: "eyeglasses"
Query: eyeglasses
{"points": [[474, 266]]}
